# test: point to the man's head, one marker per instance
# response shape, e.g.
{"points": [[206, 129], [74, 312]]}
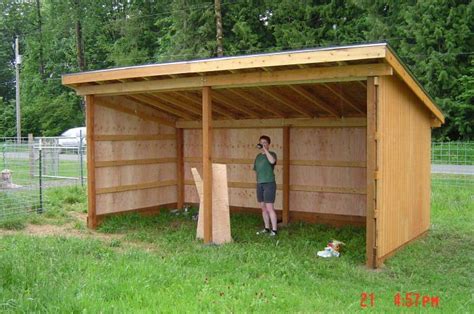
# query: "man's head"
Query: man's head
{"points": [[265, 141]]}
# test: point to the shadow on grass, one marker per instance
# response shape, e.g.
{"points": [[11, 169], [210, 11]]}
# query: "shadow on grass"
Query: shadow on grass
{"points": [[179, 230]]}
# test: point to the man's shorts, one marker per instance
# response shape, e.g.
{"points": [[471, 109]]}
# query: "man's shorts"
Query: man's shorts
{"points": [[266, 192]]}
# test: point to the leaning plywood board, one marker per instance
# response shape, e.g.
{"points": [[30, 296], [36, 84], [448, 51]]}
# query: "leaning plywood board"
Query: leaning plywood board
{"points": [[220, 205]]}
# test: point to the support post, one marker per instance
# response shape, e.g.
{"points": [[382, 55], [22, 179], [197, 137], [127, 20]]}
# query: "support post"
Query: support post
{"points": [[207, 161], [286, 175], [31, 143], [91, 192], [371, 245], [180, 167]]}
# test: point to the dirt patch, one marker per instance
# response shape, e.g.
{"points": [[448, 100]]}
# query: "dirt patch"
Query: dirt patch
{"points": [[77, 229]]}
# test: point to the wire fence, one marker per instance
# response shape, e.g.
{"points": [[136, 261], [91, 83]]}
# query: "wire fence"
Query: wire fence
{"points": [[34, 165], [30, 167], [452, 163]]}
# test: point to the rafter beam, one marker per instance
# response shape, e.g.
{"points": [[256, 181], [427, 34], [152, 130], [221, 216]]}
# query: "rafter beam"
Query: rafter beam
{"points": [[285, 101], [318, 103], [157, 104], [359, 122], [228, 102], [178, 103], [257, 103], [342, 98], [297, 76], [215, 108]]}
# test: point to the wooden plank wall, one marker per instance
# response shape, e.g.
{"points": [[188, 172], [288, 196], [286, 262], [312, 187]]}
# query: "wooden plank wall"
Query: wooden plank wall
{"points": [[403, 189], [236, 148], [135, 157], [327, 167], [328, 170]]}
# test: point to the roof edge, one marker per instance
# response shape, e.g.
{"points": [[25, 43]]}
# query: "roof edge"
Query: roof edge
{"points": [[407, 76], [229, 63]]}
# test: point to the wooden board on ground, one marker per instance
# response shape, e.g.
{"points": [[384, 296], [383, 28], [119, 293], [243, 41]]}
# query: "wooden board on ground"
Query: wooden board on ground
{"points": [[220, 205]]}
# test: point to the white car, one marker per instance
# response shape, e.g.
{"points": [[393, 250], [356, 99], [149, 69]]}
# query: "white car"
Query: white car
{"points": [[72, 138]]}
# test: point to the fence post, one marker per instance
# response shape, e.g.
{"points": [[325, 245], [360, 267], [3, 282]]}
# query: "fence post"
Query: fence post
{"points": [[81, 157], [40, 154], [31, 142]]}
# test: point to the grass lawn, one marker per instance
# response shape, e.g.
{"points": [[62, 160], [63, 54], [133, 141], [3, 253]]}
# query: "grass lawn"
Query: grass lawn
{"points": [[151, 264]]}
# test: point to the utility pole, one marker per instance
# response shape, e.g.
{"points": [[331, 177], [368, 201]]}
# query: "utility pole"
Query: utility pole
{"points": [[17, 70]]}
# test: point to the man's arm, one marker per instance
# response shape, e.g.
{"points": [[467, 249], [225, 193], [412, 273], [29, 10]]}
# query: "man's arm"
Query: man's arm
{"points": [[270, 157]]}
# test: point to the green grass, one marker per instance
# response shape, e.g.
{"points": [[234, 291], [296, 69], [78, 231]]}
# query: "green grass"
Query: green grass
{"points": [[169, 271]]}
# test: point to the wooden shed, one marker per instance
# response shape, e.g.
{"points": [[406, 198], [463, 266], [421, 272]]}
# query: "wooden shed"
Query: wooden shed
{"points": [[350, 125]]}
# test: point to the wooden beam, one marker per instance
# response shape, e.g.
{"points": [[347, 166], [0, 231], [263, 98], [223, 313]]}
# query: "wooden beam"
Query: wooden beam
{"points": [[197, 101], [233, 63], [342, 97], [371, 245], [230, 103], [134, 187], [176, 102], [207, 161], [133, 162], [104, 102], [180, 167], [146, 100], [285, 77], [91, 190], [257, 103], [135, 137], [285, 101], [328, 189], [301, 188], [278, 123], [313, 100], [413, 85], [286, 175], [293, 162], [329, 163]]}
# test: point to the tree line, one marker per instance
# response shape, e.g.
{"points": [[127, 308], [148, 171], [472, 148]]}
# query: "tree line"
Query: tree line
{"points": [[433, 38]]}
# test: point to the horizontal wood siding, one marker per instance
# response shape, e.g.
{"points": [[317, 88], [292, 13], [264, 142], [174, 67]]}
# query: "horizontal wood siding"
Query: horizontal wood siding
{"points": [[327, 167], [135, 157]]}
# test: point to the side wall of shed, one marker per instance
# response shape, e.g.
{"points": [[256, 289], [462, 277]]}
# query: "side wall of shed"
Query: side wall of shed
{"points": [[403, 162], [135, 157]]}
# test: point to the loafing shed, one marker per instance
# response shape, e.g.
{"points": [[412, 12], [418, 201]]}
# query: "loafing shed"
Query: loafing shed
{"points": [[350, 125]]}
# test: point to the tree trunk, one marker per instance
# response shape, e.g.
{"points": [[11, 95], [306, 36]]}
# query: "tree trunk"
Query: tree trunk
{"points": [[217, 8], [79, 42], [40, 35]]}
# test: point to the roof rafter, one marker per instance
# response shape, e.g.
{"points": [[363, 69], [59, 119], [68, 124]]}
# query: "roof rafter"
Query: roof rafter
{"points": [[256, 102], [342, 97], [158, 104], [318, 103], [196, 101], [282, 99], [228, 102]]}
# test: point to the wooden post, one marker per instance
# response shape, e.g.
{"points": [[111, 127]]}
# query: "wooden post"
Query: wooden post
{"points": [[371, 248], [286, 175], [207, 161], [180, 167], [91, 192]]}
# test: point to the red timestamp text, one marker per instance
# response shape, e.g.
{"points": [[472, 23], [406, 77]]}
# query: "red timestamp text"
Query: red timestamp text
{"points": [[408, 299], [414, 299]]}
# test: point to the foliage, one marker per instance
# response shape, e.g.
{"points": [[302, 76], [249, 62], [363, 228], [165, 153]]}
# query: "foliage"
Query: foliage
{"points": [[434, 39]]}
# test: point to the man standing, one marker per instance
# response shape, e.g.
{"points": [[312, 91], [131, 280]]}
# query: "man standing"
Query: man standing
{"points": [[266, 186]]}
